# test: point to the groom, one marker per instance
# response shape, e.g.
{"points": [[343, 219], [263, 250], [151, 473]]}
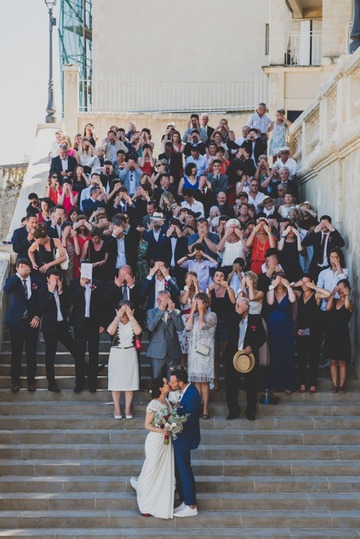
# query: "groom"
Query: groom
{"points": [[189, 438]]}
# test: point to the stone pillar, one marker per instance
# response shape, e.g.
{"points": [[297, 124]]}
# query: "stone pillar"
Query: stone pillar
{"points": [[71, 99], [279, 16], [336, 16], [276, 90]]}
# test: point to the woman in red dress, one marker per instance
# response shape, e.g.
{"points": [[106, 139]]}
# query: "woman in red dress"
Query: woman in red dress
{"points": [[260, 240], [82, 228]]}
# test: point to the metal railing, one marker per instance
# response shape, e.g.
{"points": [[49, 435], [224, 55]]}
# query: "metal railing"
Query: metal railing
{"points": [[303, 49], [118, 96]]}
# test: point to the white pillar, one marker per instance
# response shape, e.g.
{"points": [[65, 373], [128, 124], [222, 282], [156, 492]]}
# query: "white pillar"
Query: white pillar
{"points": [[71, 99]]}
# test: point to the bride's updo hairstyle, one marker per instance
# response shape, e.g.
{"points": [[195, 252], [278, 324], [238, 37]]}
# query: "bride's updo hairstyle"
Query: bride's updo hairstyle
{"points": [[154, 387]]}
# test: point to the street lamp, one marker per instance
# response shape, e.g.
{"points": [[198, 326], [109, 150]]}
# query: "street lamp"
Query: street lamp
{"points": [[355, 32], [50, 109]]}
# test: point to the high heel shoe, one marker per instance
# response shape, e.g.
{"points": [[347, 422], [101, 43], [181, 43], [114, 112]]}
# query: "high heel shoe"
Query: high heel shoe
{"points": [[341, 390], [334, 389], [302, 388], [312, 390]]}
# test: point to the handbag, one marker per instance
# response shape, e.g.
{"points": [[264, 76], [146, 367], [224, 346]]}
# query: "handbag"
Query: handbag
{"points": [[64, 265], [138, 344], [303, 332], [202, 349]]}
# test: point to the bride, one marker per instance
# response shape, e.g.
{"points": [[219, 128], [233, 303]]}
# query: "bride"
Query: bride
{"points": [[155, 485]]}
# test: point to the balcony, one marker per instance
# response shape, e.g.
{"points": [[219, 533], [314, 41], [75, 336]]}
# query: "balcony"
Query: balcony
{"points": [[162, 96], [303, 49]]}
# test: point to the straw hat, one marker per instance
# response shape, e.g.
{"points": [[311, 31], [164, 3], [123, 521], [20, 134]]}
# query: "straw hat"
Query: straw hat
{"points": [[242, 362]]}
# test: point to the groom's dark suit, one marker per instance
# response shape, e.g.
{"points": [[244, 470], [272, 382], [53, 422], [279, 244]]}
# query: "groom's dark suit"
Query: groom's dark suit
{"points": [[187, 440]]}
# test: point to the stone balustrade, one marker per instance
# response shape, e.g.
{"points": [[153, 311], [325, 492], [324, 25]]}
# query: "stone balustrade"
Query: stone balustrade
{"points": [[325, 141], [330, 125], [12, 176]]}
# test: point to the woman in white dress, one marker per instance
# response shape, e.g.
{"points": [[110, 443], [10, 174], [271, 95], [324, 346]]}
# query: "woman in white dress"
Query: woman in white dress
{"points": [[232, 245], [123, 368], [201, 354], [155, 485]]}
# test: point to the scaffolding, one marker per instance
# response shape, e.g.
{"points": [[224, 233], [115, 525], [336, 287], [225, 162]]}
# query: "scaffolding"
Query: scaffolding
{"points": [[75, 39]]}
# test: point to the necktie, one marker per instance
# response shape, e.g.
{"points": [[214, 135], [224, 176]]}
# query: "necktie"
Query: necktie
{"points": [[25, 288], [59, 316], [125, 292], [180, 395], [203, 191], [322, 248]]}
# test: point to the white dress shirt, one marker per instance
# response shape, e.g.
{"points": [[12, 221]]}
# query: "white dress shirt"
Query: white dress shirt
{"points": [[242, 332]]}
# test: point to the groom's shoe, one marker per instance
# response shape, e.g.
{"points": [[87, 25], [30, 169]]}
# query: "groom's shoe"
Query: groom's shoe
{"points": [[187, 512], [179, 507]]}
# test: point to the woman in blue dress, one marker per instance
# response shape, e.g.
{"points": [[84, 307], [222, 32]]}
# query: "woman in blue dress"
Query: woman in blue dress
{"points": [[280, 298], [278, 138], [190, 180]]}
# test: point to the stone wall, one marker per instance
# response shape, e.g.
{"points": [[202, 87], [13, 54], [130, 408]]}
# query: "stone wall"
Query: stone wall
{"points": [[326, 142]]}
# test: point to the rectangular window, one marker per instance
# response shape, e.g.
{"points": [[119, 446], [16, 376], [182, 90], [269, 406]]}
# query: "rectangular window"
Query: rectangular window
{"points": [[267, 38]]}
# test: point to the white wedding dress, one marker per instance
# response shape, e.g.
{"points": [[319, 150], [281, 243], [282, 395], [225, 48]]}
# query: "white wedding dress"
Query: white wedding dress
{"points": [[155, 485]]}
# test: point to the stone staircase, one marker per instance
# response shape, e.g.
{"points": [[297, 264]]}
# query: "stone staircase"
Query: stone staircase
{"points": [[65, 465]]}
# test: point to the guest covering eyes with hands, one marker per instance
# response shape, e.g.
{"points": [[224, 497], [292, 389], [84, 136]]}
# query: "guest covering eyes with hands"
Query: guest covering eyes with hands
{"points": [[123, 369], [337, 345], [280, 297], [201, 325]]}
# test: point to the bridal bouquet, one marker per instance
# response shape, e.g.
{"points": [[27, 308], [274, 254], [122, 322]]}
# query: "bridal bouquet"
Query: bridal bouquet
{"points": [[172, 423]]}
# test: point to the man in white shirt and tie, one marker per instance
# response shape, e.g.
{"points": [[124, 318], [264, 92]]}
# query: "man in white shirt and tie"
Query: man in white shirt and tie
{"points": [[53, 302], [246, 332]]}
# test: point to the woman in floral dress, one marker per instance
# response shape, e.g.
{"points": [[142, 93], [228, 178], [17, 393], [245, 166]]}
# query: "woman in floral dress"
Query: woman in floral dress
{"points": [[201, 355], [186, 300]]}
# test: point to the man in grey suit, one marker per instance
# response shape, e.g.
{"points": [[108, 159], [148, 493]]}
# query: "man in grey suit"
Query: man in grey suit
{"points": [[163, 322]]}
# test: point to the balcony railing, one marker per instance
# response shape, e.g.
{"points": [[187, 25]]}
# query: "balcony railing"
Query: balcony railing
{"points": [[118, 96], [303, 49]]}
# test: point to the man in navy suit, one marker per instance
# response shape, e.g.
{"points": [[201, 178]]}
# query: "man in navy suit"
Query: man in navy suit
{"points": [[188, 439], [63, 164], [23, 237], [23, 319], [155, 235], [157, 280]]}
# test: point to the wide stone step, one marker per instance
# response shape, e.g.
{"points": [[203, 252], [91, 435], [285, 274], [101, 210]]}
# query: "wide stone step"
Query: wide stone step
{"points": [[96, 406], [207, 519], [92, 501], [123, 436], [290, 423], [229, 533], [209, 451], [323, 397], [209, 484], [122, 467]]}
